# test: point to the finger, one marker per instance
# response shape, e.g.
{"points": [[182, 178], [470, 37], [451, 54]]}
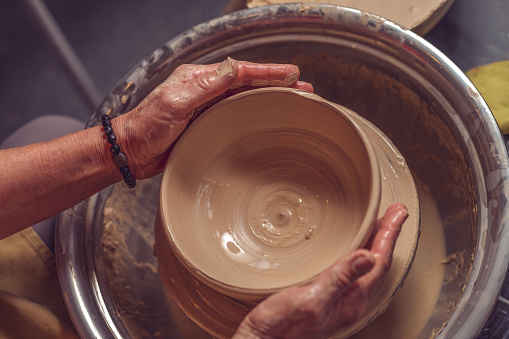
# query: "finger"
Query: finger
{"points": [[374, 233], [384, 243], [188, 72], [257, 75], [391, 224], [184, 97], [305, 86], [250, 75], [338, 278]]}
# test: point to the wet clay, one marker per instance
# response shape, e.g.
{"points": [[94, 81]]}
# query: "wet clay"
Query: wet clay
{"points": [[276, 196], [200, 302], [401, 320]]}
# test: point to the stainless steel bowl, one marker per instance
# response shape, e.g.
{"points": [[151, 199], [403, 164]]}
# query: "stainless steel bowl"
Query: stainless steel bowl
{"points": [[397, 80]]}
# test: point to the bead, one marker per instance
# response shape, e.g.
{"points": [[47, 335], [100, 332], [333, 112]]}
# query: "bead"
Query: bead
{"points": [[125, 172], [130, 184], [120, 160], [112, 138], [115, 149], [105, 119], [108, 130]]}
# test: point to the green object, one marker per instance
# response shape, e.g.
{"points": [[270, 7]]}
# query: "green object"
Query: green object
{"points": [[492, 81]]}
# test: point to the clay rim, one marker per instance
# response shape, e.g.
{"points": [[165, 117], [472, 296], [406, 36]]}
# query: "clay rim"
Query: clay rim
{"points": [[366, 226]]}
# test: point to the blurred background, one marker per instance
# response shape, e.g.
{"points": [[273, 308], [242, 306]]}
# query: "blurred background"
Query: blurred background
{"points": [[110, 37]]}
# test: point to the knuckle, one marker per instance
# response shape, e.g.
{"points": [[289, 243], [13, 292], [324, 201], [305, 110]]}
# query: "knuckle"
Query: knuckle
{"points": [[171, 103], [203, 83], [167, 103], [385, 265], [339, 278]]}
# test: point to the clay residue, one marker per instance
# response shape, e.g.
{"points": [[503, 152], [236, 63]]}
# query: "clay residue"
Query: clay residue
{"points": [[289, 79], [126, 265], [226, 67]]}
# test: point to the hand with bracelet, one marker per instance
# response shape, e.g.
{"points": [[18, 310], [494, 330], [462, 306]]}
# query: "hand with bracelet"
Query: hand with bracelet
{"points": [[44, 179]]}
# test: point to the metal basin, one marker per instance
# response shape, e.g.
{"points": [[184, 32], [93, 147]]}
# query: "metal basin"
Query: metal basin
{"points": [[391, 76]]}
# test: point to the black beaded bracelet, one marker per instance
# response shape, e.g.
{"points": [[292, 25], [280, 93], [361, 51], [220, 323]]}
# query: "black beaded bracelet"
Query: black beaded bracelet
{"points": [[119, 158]]}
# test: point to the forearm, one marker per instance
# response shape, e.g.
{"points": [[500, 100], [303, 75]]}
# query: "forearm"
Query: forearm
{"points": [[41, 180]]}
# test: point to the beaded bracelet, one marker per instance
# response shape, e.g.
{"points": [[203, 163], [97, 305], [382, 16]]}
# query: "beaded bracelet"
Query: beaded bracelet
{"points": [[119, 158]]}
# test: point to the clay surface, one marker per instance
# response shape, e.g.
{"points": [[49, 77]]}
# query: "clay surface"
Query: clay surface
{"points": [[268, 189]]}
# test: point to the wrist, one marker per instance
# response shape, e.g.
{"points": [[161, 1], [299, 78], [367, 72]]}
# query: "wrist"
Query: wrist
{"points": [[110, 174], [119, 159]]}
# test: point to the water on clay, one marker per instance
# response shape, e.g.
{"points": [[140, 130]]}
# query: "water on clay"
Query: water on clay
{"points": [[147, 312]]}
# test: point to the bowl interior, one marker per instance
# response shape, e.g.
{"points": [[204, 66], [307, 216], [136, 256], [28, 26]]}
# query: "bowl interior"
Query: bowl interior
{"points": [[267, 189]]}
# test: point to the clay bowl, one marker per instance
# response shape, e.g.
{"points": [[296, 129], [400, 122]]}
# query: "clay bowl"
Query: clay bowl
{"points": [[208, 301], [266, 190]]}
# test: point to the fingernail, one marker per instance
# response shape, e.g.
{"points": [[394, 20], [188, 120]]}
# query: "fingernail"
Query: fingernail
{"points": [[226, 68], [362, 265], [397, 206], [291, 78]]}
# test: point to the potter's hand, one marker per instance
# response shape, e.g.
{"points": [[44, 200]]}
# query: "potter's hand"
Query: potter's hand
{"points": [[337, 298], [147, 132]]}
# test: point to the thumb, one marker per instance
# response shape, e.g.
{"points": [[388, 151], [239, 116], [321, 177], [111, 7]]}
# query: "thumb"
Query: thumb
{"points": [[344, 273]]}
